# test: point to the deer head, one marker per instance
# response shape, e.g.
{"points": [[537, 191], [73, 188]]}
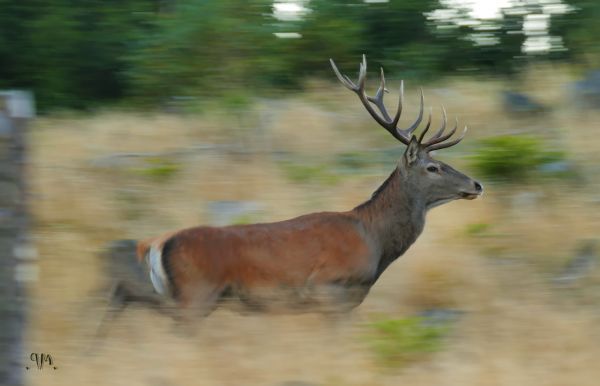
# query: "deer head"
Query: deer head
{"points": [[433, 181]]}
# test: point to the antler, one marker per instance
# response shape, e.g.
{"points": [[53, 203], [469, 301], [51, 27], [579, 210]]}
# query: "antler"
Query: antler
{"points": [[386, 121]]}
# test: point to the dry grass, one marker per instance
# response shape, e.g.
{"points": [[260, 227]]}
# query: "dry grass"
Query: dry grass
{"points": [[516, 328]]}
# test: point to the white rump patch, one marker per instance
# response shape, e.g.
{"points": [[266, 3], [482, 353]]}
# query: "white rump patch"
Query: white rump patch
{"points": [[158, 276]]}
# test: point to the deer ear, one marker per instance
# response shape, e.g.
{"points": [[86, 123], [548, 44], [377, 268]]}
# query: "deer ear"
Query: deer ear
{"points": [[412, 151]]}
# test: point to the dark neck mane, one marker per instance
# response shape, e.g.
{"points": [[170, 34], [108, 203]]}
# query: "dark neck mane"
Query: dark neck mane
{"points": [[393, 218], [376, 194]]}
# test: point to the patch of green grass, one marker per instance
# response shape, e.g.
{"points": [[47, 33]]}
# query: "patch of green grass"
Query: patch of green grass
{"points": [[478, 229], [130, 203], [244, 219], [355, 160], [158, 169], [236, 101], [352, 162], [308, 173], [397, 342]]}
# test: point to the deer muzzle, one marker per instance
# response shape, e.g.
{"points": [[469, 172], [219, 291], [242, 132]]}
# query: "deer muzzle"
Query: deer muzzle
{"points": [[476, 192]]}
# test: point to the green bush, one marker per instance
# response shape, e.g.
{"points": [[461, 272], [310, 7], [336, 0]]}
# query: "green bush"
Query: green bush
{"points": [[399, 341], [513, 158]]}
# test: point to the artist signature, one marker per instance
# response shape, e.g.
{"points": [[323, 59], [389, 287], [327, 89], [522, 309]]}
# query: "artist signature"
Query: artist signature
{"points": [[40, 359]]}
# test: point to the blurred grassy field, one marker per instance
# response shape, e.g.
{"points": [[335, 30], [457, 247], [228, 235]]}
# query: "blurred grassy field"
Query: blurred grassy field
{"points": [[114, 174]]}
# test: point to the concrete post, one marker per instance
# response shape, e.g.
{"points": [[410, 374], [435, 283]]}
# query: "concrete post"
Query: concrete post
{"points": [[17, 255]]}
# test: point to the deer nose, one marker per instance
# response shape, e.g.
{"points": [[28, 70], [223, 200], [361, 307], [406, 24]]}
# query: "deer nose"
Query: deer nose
{"points": [[478, 186]]}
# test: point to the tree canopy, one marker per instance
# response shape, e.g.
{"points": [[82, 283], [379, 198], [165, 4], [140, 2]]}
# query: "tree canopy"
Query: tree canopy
{"points": [[75, 54]]}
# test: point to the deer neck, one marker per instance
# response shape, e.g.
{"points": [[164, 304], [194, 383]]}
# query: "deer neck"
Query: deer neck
{"points": [[393, 218]]}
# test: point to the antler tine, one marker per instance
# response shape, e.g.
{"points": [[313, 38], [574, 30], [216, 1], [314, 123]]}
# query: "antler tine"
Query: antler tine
{"points": [[441, 130], [390, 124], [444, 145], [382, 84], [408, 131], [384, 119], [362, 74], [400, 104], [444, 137], [377, 100], [343, 78], [426, 126]]}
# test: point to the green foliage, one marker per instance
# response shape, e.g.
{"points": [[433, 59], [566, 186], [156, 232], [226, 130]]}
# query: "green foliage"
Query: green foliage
{"points": [[333, 29], [513, 158], [79, 55], [397, 342], [69, 53], [199, 48], [579, 30]]}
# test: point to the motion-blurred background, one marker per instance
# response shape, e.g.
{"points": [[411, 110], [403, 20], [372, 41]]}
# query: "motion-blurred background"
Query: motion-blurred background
{"points": [[162, 114]]}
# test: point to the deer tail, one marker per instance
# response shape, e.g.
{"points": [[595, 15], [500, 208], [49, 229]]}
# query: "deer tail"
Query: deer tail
{"points": [[142, 248], [158, 275], [156, 254]]}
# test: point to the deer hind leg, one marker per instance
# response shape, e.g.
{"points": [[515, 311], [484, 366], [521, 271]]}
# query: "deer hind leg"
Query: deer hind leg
{"points": [[121, 296], [115, 305]]}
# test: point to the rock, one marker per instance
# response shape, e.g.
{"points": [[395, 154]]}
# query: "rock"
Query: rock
{"points": [[440, 316], [586, 92], [518, 103], [6, 126], [228, 212], [525, 200], [580, 266], [556, 167]]}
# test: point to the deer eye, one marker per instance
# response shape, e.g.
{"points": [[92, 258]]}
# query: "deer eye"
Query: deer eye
{"points": [[433, 169]]}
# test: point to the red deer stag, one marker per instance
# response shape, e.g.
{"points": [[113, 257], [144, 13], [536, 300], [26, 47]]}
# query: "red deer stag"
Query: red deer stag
{"points": [[324, 261]]}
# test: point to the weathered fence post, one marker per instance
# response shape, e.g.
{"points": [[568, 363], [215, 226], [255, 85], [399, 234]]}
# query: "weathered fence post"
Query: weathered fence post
{"points": [[17, 255]]}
